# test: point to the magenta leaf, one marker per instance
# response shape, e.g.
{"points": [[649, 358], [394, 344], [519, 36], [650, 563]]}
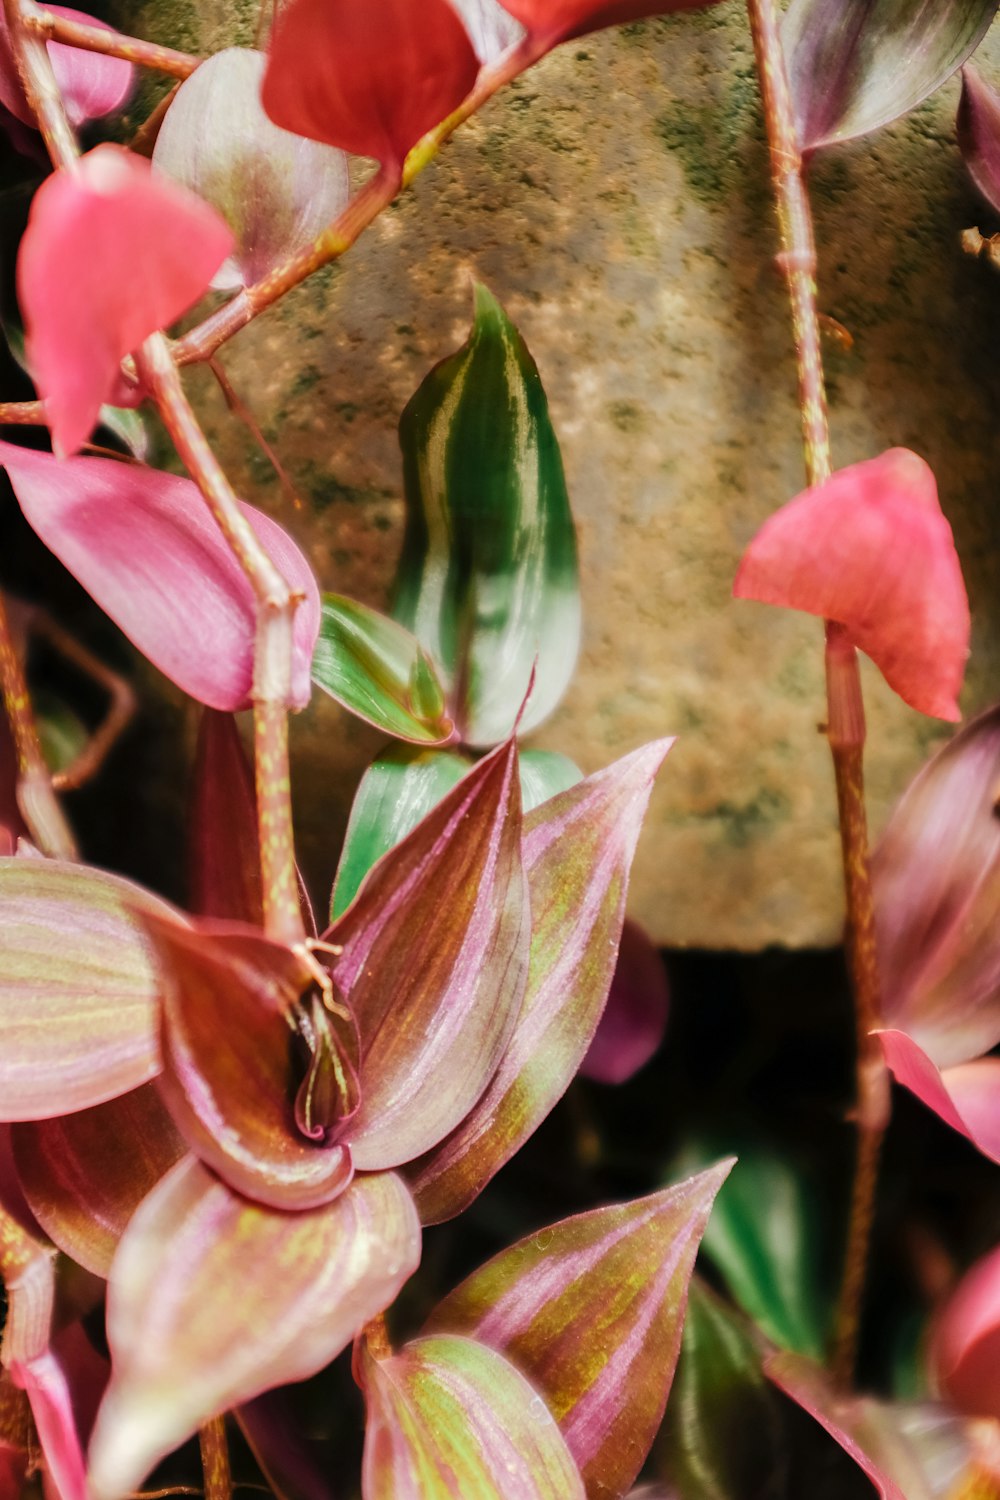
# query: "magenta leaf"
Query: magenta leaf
{"points": [[76, 1032], [228, 1066], [578, 850], [144, 545], [592, 1311], [871, 549], [855, 65], [275, 190], [85, 1174], [965, 1349], [213, 1299], [373, 78], [635, 1017], [550, 22], [91, 85], [449, 1419], [224, 877], [434, 965], [966, 1096], [152, 249], [979, 134]]}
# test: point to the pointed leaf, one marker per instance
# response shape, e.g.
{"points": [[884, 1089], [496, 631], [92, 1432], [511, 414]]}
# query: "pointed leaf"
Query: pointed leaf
{"points": [[44, 1381], [545, 773], [978, 129], [91, 85], [855, 65], [275, 190], [111, 253], [144, 545], [966, 1096], [449, 1419], [435, 963], [491, 28], [488, 579], [371, 79], [85, 1174], [229, 1076], [78, 988], [965, 1349], [213, 1299], [871, 549], [592, 1310], [372, 665], [578, 850], [224, 877], [552, 21], [631, 1029]]}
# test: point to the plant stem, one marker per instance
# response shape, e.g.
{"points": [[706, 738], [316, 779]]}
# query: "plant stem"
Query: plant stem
{"points": [[22, 414], [35, 794], [366, 205], [215, 1460], [846, 720], [121, 710], [111, 43]]}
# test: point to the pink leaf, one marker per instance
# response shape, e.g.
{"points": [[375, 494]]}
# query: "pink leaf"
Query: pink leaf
{"points": [[213, 1299], [550, 22], [965, 1349], [145, 546], [111, 253], [979, 134], [224, 877], [369, 78], [872, 550], [91, 84], [635, 1017], [44, 1381], [967, 1097]]}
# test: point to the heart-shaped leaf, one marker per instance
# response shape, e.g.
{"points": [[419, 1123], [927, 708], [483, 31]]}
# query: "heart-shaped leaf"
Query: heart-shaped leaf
{"points": [[275, 190], [85, 1174], [978, 130], [855, 65], [592, 1310], [90, 84], [224, 877], [488, 579], [578, 850], [144, 545], [434, 965], [373, 78], [449, 1419], [380, 672], [151, 250], [79, 988], [285, 1293], [550, 22]]}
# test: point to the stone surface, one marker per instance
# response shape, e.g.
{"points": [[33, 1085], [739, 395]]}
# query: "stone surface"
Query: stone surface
{"points": [[616, 200]]}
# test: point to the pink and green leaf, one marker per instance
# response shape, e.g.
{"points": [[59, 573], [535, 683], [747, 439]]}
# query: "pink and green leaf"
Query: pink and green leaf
{"points": [[449, 1418], [434, 965], [592, 1311], [79, 988], [144, 545], [855, 65], [379, 671], [285, 1293], [578, 850]]}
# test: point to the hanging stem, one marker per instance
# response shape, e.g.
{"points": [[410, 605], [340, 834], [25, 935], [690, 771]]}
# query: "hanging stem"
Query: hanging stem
{"points": [[845, 709], [35, 795], [215, 1460], [110, 43]]}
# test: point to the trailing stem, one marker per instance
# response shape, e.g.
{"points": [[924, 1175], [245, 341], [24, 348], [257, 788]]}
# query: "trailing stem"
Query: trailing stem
{"points": [[35, 794], [845, 716]]}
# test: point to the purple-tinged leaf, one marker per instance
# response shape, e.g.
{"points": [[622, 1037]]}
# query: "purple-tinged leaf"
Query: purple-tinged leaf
{"points": [[965, 1348], [85, 1174], [78, 988], [631, 1029], [578, 850], [294, 1465], [978, 130], [966, 1096], [90, 84], [144, 545], [12, 1199], [449, 1419], [936, 879], [213, 1299], [275, 190], [855, 65], [435, 964], [223, 851], [592, 1311], [229, 1077]]}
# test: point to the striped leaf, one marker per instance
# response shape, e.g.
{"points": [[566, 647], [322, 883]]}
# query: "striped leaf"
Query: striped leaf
{"points": [[488, 580], [450, 1419], [592, 1311]]}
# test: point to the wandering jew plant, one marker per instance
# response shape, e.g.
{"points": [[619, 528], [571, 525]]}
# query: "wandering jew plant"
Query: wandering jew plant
{"points": [[230, 1128]]}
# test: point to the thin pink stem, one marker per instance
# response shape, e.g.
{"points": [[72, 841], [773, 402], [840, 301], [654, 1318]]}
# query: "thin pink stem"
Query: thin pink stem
{"points": [[111, 44]]}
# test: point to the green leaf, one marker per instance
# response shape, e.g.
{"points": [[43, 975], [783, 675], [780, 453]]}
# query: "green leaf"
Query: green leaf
{"points": [[764, 1239], [591, 1310], [545, 773], [488, 580], [855, 65], [378, 671], [450, 1419]]}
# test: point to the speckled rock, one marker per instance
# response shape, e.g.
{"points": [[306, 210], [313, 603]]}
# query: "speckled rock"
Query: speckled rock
{"points": [[616, 200]]}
